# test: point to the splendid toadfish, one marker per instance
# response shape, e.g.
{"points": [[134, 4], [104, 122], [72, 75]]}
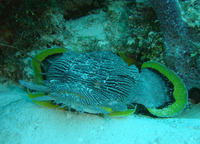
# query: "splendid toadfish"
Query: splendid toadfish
{"points": [[100, 82]]}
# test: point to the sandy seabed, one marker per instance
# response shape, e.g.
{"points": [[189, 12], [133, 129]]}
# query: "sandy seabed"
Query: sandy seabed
{"points": [[23, 122]]}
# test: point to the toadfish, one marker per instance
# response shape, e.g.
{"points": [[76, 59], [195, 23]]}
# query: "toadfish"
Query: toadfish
{"points": [[99, 82]]}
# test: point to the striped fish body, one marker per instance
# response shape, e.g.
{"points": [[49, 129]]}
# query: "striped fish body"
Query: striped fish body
{"points": [[94, 80]]}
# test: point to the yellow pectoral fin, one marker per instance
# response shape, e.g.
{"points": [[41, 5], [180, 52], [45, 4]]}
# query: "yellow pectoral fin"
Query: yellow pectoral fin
{"points": [[40, 57], [122, 114], [49, 104], [46, 104], [107, 109], [127, 59], [35, 95], [125, 113]]}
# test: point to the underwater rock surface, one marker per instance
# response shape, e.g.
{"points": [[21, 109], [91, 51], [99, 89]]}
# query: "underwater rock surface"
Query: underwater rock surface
{"points": [[181, 42]]}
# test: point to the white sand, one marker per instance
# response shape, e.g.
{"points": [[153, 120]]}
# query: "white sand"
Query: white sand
{"points": [[22, 122]]}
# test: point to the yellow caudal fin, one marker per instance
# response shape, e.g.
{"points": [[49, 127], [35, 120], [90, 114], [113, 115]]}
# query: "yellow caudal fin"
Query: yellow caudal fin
{"points": [[180, 92]]}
